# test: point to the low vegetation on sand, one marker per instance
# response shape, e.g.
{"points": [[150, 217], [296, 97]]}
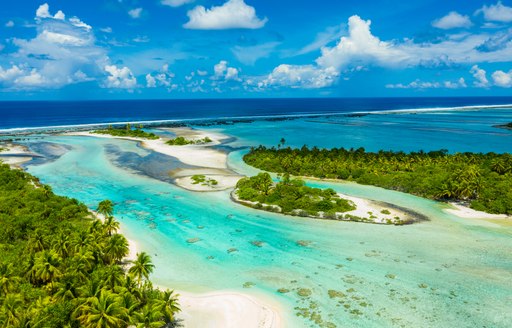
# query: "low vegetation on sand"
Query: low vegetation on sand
{"points": [[182, 141], [128, 131], [291, 196], [481, 180], [203, 180], [61, 268]]}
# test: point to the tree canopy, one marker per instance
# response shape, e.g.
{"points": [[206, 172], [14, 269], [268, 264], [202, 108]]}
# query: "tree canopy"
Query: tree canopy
{"points": [[60, 267], [481, 180]]}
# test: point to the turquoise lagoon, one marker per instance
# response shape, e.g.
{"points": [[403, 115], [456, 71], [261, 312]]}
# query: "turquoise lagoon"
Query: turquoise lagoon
{"points": [[445, 272]]}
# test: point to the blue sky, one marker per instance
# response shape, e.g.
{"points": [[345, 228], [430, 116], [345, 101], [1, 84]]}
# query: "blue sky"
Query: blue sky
{"points": [[112, 49]]}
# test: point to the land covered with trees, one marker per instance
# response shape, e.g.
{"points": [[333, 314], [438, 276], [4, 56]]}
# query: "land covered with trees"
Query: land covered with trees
{"points": [[483, 181], [290, 196], [128, 131], [61, 267]]}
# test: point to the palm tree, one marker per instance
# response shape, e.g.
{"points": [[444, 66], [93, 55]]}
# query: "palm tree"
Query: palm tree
{"points": [[61, 244], [104, 311], [10, 313], [130, 303], [116, 248], [36, 242], [106, 207], [110, 225], [8, 280], [150, 317], [66, 288], [498, 166], [142, 267], [45, 267], [114, 276], [83, 261], [169, 302]]}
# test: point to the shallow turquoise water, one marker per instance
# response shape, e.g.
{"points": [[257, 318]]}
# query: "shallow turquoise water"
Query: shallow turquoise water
{"points": [[441, 273]]}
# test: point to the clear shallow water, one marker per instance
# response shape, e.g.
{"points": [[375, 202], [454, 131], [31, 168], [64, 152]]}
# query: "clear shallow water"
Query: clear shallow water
{"points": [[441, 273]]}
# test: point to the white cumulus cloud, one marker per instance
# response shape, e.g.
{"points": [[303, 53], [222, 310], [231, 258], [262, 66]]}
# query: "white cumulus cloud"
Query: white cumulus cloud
{"points": [[43, 11], [162, 78], [119, 78], [502, 79], [300, 76], [232, 14], [496, 13], [480, 76], [62, 52], [361, 46], [9, 24], [452, 20], [223, 72]]}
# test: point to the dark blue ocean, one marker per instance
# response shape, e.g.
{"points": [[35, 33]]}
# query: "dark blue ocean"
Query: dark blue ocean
{"points": [[30, 114]]}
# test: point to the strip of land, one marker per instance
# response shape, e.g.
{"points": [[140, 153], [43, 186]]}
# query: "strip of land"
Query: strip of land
{"points": [[465, 212], [207, 160], [15, 155]]}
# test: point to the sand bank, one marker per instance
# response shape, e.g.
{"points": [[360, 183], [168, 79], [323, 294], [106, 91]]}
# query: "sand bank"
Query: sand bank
{"points": [[373, 210], [208, 161], [15, 155], [368, 211], [228, 309], [222, 182], [469, 213]]}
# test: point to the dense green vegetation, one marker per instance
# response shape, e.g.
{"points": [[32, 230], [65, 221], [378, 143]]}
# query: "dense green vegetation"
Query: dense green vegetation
{"points": [[482, 180], [181, 141], [127, 131], [290, 196], [59, 267], [203, 180]]}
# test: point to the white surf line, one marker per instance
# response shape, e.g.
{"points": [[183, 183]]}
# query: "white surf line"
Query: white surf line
{"points": [[253, 117]]}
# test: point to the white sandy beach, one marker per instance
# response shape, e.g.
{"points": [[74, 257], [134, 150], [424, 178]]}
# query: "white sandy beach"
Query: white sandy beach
{"points": [[14, 155], [209, 162], [365, 206], [469, 213], [226, 309]]}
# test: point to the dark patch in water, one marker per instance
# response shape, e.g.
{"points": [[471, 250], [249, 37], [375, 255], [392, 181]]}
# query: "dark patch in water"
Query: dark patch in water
{"points": [[154, 165], [46, 152]]}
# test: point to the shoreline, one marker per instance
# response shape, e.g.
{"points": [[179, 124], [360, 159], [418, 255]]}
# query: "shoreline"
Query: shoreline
{"points": [[57, 129], [465, 212], [15, 155], [221, 308], [363, 209], [459, 210], [213, 163]]}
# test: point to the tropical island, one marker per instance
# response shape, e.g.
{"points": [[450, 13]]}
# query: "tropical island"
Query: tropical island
{"points": [[291, 196], [127, 131], [63, 267], [481, 181]]}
